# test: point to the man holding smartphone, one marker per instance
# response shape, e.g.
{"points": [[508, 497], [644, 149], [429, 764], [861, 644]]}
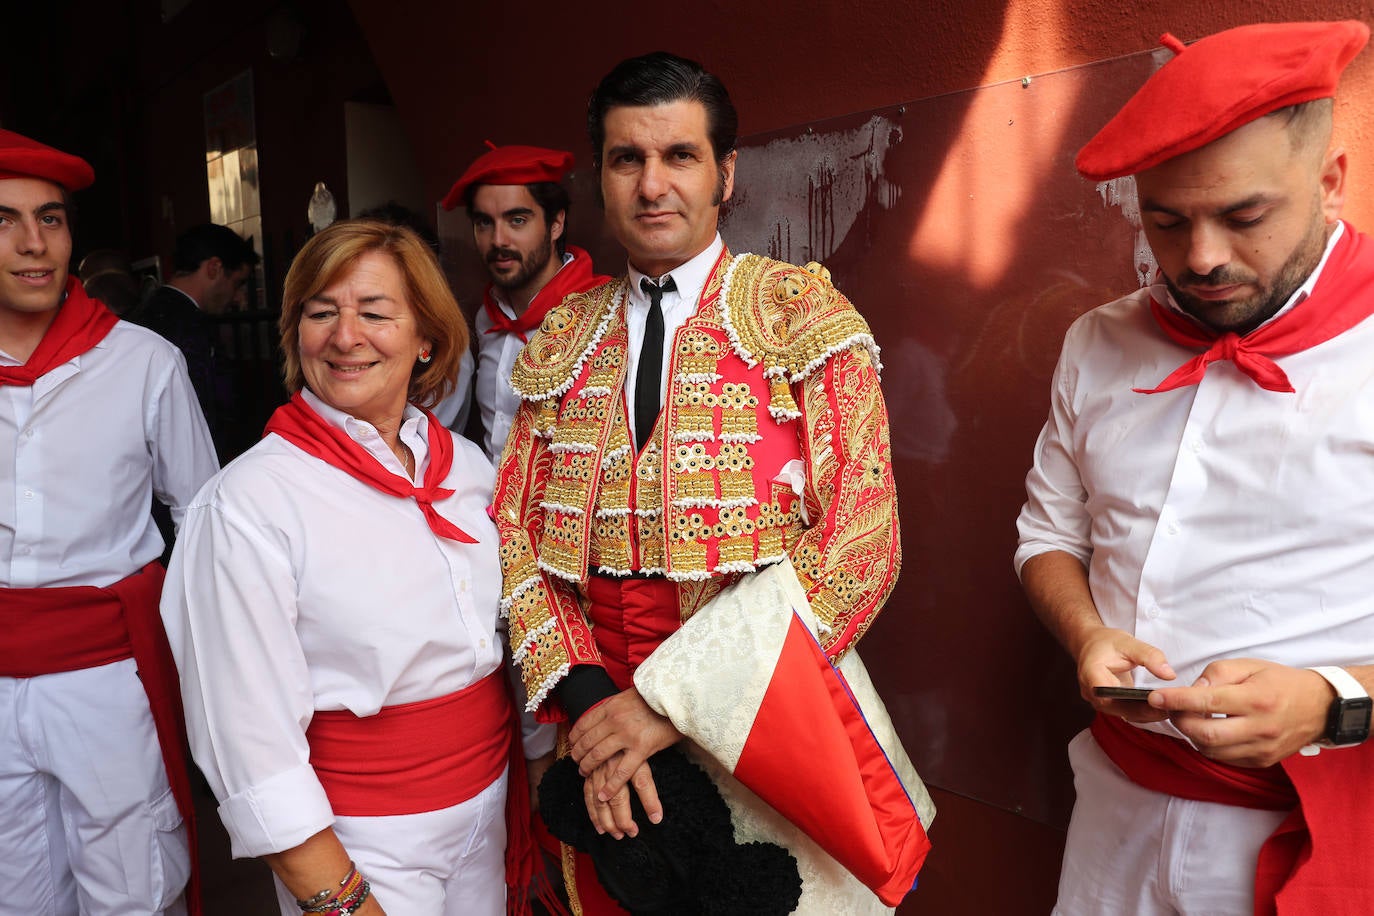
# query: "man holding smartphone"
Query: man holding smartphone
{"points": [[1200, 511]]}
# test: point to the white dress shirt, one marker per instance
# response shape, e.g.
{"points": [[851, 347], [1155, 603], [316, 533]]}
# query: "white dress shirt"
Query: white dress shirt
{"points": [[295, 587], [1220, 520], [496, 355], [677, 305], [83, 452]]}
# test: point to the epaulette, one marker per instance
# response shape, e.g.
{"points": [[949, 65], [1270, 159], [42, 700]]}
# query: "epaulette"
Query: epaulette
{"points": [[790, 319], [549, 364]]}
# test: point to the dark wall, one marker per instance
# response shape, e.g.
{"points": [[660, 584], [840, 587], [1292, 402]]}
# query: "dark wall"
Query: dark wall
{"points": [[126, 91]]}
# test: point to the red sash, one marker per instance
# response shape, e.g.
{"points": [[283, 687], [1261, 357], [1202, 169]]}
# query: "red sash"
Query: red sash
{"points": [[428, 755], [48, 630], [413, 757], [1317, 861], [298, 423], [1340, 300], [574, 277], [631, 617], [81, 323]]}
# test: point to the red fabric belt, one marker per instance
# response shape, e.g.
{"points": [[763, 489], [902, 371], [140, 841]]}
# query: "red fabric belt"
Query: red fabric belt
{"points": [[1164, 764], [631, 618], [1316, 863], [48, 630], [414, 757]]}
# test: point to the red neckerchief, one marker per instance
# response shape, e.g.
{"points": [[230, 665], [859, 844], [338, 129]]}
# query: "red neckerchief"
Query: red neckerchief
{"points": [[81, 323], [574, 277], [1341, 299], [298, 423]]}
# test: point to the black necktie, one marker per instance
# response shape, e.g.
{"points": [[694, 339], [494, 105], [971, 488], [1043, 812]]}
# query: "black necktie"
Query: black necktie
{"points": [[649, 378]]}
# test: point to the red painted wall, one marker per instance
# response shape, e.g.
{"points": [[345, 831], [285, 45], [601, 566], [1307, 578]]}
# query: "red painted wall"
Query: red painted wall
{"points": [[462, 73]]}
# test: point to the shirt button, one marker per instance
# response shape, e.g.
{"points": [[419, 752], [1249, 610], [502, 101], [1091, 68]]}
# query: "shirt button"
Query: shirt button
{"points": [[482, 643], [28, 434], [1173, 528], [1153, 612]]}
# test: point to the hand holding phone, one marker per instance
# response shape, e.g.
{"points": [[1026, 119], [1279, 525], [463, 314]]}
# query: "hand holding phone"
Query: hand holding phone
{"points": [[1129, 694]]}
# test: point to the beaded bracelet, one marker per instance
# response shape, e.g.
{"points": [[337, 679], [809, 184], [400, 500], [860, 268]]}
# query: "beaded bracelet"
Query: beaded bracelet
{"points": [[353, 891], [352, 905]]}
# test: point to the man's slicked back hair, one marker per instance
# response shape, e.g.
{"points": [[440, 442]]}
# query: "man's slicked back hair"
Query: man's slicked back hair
{"points": [[660, 78]]}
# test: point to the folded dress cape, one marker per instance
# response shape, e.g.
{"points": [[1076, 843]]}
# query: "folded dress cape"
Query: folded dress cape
{"points": [[803, 751]]}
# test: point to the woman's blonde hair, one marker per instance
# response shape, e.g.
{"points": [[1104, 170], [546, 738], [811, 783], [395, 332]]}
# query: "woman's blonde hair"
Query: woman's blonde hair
{"points": [[330, 254]]}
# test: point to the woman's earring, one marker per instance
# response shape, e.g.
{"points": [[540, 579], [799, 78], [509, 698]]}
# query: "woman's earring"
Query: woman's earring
{"points": [[424, 356]]}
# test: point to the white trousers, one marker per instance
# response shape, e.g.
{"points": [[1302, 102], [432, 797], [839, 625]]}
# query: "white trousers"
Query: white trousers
{"points": [[1134, 851], [450, 862], [88, 824]]}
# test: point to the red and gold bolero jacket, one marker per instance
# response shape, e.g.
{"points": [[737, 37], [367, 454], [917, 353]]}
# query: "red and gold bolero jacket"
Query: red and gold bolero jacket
{"points": [[773, 442]]}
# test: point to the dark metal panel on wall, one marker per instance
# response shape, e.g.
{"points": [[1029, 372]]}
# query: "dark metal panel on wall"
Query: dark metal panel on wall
{"points": [[959, 228]]}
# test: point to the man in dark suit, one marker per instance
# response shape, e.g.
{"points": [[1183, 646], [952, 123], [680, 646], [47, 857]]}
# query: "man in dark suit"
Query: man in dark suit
{"points": [[209, 266]]}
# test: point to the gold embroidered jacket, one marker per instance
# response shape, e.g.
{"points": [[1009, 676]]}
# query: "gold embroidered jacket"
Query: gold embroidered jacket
{"points": [[773, 441]]}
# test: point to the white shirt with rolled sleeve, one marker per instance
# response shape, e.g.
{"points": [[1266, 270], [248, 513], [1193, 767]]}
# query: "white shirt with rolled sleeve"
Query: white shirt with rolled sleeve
{"points": [[83, 452], [1216, 521], [1219, 520], [295, 587]]}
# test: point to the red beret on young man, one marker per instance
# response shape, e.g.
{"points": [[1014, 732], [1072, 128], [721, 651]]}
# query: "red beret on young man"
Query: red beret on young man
{"points": [[510, 165]]}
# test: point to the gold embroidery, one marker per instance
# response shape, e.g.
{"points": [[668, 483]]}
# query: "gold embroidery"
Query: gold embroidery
{"points": [[783, 323], [610, 547], [791, 320], [552, 358], [697, 353], [695, 415], [692, 594], [649, 532], [570, 480]]}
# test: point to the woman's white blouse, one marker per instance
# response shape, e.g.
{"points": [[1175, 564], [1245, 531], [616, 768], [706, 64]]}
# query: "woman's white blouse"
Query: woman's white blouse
{"points": [[295, 587]]}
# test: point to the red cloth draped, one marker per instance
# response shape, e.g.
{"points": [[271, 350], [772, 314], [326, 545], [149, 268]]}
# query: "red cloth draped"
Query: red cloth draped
{"points": [[1317, 861], [575, 277], [62, 629], [831, 779], [1340, 300], [81, 323], [298, 423]]}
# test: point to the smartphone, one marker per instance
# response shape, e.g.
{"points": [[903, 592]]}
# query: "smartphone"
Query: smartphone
{"points": [[1137, 694]]}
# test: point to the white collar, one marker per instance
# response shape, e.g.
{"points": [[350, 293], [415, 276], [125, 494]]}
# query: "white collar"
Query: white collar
{"points": [[689, 276]]}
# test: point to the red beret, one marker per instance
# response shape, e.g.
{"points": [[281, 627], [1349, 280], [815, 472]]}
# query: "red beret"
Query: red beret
{"points": [[1218, 84], [510, 165], [21, 157]]}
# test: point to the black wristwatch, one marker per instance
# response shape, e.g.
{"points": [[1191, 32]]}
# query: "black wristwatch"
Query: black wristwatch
{"points": [[1347, 722]]}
